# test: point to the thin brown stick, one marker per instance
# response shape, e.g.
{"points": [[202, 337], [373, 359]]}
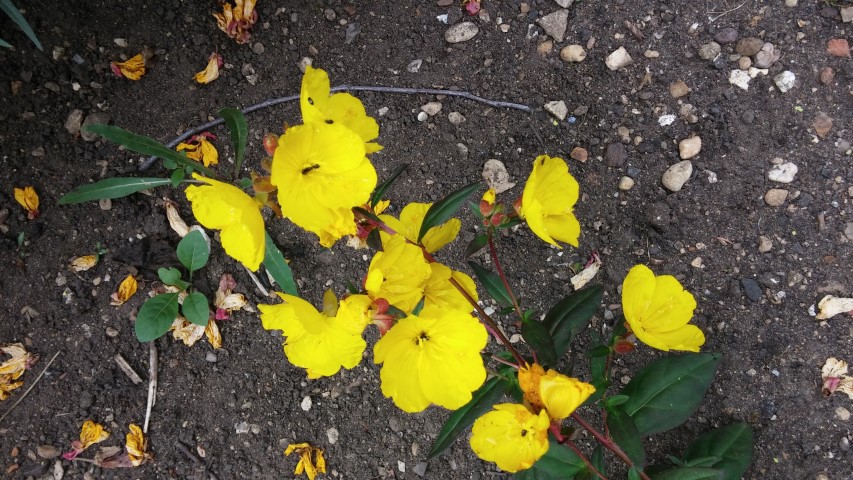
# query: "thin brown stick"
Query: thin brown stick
{"points": [[189, 454], [152, 383], [31, 386]]}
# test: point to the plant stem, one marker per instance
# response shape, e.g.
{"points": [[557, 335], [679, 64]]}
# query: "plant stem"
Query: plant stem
{"points": [[494, 254], [608, 444]]}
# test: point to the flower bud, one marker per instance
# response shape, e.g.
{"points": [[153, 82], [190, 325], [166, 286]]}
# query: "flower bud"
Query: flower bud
{"points": [[270, 143]]}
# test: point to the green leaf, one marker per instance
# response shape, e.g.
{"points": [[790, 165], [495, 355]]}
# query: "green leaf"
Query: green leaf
{"points": [[537, 336], [380, 189], [634, 474], [5, 44], [617, 400], [481, 401], [145, 145], [492, 283], [196, 309], [374, 240], [570, 316], [700, 462], [668, 390], [172, 276], [156, 316], [476, 244], [689, 473], [626, 435], [597, 458], [193, 251], [177, 177], [111, 188], [277, 266], [600, 351], [236, 122], [732, 444], [20, 21], [170, 164], [558, 463], [442, 211]]}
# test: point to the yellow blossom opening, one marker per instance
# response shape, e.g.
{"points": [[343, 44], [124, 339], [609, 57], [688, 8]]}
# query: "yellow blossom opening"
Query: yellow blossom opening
{"points": [[311, 467], [511, 436], [211, 71], [409, 226], [398, 274], [29, 199], [548, 201], [132, 69], [658, 309]]}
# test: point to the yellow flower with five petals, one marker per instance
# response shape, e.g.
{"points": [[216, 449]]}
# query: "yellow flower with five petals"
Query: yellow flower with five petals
{"points": [[398, 274], [511, 436], [548, 201]]}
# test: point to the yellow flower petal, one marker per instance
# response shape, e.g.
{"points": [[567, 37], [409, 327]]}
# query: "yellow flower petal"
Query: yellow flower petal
{"points": [[92, 433], [439, 292], [214, 338], [132, 69], [310, 467], [511, 436], [409, 225], [398, 274], [21, 360], [548, 201], [211, 71], [187, 332], [81, 264], [7, 386], [126, 289], [562, 395], [135, 445], [29, 199], [236, 21]]}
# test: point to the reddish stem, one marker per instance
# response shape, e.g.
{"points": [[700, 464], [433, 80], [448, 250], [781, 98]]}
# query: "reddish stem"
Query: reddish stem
{"points": [[608, 444], [494, 254], [555, 430]]}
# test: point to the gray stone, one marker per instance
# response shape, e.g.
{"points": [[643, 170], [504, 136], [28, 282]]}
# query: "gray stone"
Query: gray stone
{"points": [[848, 231], [414, 66], [618, 59], [764, 244], [565, 3], [709, 51], [626, 183], [767, 56], [93, 119], [749, 46], [431, 108], [420, 469], [615, 155], [211, 357], [557, 108], [785, 81], [461, 32], [677, 175], [456, 118], [47, 451], [258, 48], [751, 289], [847, 14], [74, 122], [555, 24], [726, 35], [496, 176]]}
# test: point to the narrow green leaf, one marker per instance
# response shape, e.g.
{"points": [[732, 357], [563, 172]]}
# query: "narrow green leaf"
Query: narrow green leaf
{"points": [[20, 21], [156, 316], [374, 240], [145, 145], [690, 473], [492, 283], [177, 177], [441, 211], [195, 308], [626, 435], [277, 266], [732, 444], [701, 462], [511, 223], [570, 316], [481, 401], [366, 214], [111, 188], [236, 122], [193, 251], [537, 336], [615, 400], [668, 390], [558, 463], [380, 189], [476, 244], [600, 351], [5, 44], [597, 458], [634, 474], [172, 276]]}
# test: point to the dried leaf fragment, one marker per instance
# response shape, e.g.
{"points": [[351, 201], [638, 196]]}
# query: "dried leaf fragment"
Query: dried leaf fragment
{"points": [[29, 199], [175, 221], [214, 338], [310, 467], [90, 434], [587, 274], [211, 71], [132, 69], [20, 362], [81, 264], [185, 331], [834, 375], [126, 289], [831, 305]]}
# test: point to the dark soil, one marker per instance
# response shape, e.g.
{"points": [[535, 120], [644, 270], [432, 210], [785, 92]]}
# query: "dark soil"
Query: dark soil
{"points": [[773, 349]]}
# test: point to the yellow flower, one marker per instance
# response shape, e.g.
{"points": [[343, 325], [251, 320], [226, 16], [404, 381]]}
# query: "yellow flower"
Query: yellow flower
{"points": [[409, 225], [222, 206], [321, 174], [439, 292], [19, 363], [548, 199], [29, 199], [658, 310], [398, 274], [200, 150], [90, 434], [511, 436], [324, 342], [7, 386], [238, 20], [306, 465], [135, 445], [340, 108], [133, 68], [551, 391], [211, 71], [433, 357], [126, 289]]}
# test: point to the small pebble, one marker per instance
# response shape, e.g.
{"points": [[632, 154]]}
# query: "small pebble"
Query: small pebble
{"points": [[121, 42], [626, 183], [414, 66], [420, 469], [461, 32], [689, 147], [749, 46], [431, 108], [775, 197], [822, 124], [579, 154], [455, 118], [105, 203], [782, 173], [615, 155], [618, 59], [306, 404], [726, 35], [677, 175], [333, 435], [709, 51], [422, 116], [678, 89], [744, 63], [47, 451], [573, 53], [557, 108], [842, 413], [827, 75], [258, 48], [651, 54], [764, 244], [211, 357], [785, 81]]}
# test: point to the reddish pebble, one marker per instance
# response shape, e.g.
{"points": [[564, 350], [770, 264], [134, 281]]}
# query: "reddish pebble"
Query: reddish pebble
{"points": [[827, 75], [579, 154], [838, 47]]}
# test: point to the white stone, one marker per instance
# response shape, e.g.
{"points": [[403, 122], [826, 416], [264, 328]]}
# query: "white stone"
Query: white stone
{"points": [[565, 3], [666, 120], [414, 66], [422, 116], [333, 435], [306, 403], [121, 42], [557, 108], [555, 24], [689, 147], [496, 176], [618, 59], [573, 53], [739, 78], [626, 183], [847, 14], [785, 80], [461, 32], [431, 108], [677, 175], [456, 118], [783, 173]]}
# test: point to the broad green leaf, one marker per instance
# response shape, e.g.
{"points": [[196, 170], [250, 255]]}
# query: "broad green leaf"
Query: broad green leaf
{"points": [[380, 189], [689, 473], [732, 444], [481, 401], [441, 211], [236, 122], [20, 21], [145, 145], [193, 251], [476, 244], [668, 390], [600, 351], [570, 316], [177, 177], [492, 283], [625, 434], [156, 316], [700, 462], [537, 336], [111, 188], [196, 309], [615, 400], [559, 463], [634, 474], [172, 276], [277, 266], [169, 164]]}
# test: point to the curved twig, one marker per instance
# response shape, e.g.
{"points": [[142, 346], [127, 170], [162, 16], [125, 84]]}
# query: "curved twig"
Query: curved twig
{"points": [[31, 386], [340, 88]]}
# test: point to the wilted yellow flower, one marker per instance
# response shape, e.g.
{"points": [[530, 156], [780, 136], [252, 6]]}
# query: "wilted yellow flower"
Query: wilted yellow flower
{"points": [[211, 71], [238, 20], [20, 362], [133, 68], [135, 445], [835, 379], [511, 436], [90, 434], [398, 274], [200, 150], [310, 467], [409, 225], [321, 173], [340, 108], [29, 199], [225, 207], [552, 391], [126, 289], [7, 386], [320, 342], [439, 292], [432, 357], [214, 338], [658, 309], [548, 200], [186, 331]]}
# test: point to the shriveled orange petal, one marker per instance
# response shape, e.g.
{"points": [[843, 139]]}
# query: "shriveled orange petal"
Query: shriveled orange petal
{"points": [[29, 199], [132, 69], [126, 289], [81, 264], [135, 445], [213, 335], [211, 72]]}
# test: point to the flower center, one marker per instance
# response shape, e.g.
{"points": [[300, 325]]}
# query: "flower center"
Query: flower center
{"points": [[422, 338]]}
